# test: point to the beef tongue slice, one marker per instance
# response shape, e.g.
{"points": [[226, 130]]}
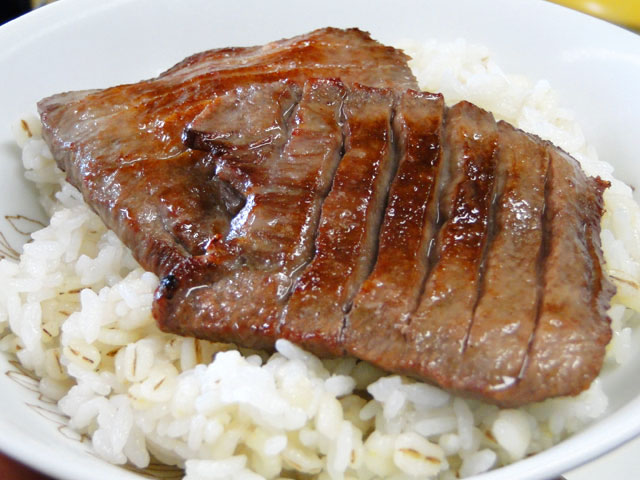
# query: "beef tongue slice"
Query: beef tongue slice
{"points": [[566, 351], [391, 292], [236, 293], [438, 328], [347, 236], [505, 313]]}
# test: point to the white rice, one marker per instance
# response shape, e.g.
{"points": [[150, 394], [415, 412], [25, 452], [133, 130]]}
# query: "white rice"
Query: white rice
{"points": [[76, 310]]}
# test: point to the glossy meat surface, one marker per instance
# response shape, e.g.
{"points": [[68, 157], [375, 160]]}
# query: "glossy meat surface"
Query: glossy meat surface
{"points": [[349, 226], [117, 144], [496, 345], [439, 326], [390, 294], [240, 297], [305, 190], [566, 348]]}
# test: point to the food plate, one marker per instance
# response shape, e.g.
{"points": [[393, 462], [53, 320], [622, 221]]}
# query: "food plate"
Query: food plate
{"points": [[73, 44]]}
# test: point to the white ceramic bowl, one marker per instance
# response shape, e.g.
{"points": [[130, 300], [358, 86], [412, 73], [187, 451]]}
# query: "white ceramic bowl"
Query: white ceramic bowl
{"points": [[75, 44]]}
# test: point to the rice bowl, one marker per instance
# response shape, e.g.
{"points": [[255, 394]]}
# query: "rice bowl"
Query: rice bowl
{"points": [[114, 270]]}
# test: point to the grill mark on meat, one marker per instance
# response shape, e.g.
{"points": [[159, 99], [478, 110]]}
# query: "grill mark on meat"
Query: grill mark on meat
{"points": [[349, 226], [303, 172], [505, 314], [541, 271], [438, 327], [322, 184], [443, 180], [390, 294], [271, 239]]}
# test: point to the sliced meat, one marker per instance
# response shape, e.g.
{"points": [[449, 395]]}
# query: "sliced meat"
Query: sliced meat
{"points": [[238, 292], [111, 141], [505, 314], [277, 196], [567, 348], [347, 236], [437, 329], [391, 292]]}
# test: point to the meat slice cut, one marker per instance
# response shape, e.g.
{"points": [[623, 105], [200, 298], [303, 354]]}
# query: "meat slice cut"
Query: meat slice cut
{"points": [[505, 315], [348, 232], [119, 146], [238, 291], [438, 328], [566, 350], [391, 292]]}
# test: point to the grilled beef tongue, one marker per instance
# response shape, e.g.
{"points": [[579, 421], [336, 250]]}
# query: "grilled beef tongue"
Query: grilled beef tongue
{"points": [[305, 189]]}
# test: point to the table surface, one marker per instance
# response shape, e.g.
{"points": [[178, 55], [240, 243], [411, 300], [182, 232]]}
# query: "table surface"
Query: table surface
{"points": [[12, 470]]}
